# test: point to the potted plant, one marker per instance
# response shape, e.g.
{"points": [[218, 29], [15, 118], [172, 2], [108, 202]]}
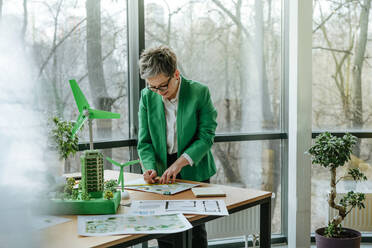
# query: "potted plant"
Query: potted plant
{"points": [[332, 152], [63, 141]]}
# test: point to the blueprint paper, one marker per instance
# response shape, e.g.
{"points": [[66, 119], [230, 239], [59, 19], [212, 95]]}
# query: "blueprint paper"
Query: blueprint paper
{"points": [[104, 225], [158, 207], [163, 189]]}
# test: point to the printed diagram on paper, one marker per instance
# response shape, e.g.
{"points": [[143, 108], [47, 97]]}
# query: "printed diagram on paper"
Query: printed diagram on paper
{"points": [[103, 225], [163, 189], [156, 207]]}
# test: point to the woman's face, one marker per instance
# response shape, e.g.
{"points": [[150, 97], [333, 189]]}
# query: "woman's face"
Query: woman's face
{"points": [[163, 85]]}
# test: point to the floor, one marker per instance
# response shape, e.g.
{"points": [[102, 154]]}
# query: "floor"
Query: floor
{"points": [[153, 244], [367, 245]]}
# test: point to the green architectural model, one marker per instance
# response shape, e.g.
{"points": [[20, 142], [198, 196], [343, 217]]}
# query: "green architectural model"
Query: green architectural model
{"points": [[92, 173], [91, 198]]}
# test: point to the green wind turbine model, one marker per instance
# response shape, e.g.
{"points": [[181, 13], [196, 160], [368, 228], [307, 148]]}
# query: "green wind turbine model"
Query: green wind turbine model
{"points": [[91, 200], [125, 194], [92, 177], [87, 113]]}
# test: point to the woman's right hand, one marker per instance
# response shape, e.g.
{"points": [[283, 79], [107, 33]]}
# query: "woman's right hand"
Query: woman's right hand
{"points": [[150, 176]]}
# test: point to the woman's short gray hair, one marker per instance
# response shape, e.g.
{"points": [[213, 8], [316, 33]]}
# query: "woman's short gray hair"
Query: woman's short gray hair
{"points": [[157, 60]]}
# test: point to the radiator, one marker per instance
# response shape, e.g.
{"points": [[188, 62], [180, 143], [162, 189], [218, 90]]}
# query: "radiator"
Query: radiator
{"points": [[241, 223], [360, 220]]}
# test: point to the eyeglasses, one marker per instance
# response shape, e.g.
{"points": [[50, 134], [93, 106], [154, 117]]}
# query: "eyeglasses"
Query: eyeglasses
{"points": [[160, 88]]}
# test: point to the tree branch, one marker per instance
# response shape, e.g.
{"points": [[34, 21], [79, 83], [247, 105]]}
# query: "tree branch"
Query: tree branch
{"points": [[155, 37], [103, 59], [118, 97], [233, 17], [331, 199], [333, 50], [57, 45], [330, 15], [349, 211], [343, 178]]}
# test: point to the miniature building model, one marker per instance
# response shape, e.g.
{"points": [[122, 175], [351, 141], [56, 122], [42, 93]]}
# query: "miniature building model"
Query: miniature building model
{"points": [[92, 178], [92, 173]]}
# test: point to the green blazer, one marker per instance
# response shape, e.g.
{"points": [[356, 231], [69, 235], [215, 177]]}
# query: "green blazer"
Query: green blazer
{"points": [[196, 125]]}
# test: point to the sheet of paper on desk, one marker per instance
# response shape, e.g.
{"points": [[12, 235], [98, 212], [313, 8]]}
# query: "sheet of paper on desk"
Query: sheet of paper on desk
{"points": [[135, 182], [103, 225], [163, 189], [208, 192], [156, 207], [43, 221]]}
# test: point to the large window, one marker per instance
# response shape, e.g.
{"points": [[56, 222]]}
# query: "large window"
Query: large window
{"points": [[259, 170], [81, 40], [341, 66], [234, 47], [341, 90]]}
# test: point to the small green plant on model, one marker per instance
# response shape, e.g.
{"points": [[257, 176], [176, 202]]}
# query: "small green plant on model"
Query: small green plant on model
{"points": [[111, 185], [67, 191], [62, 135], [69, 186], [108, 194], [85, 196], [110, 189], [332, 152]]}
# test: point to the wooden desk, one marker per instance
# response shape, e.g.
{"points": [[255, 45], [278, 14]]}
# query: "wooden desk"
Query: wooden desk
{"points": [[237, 199]]}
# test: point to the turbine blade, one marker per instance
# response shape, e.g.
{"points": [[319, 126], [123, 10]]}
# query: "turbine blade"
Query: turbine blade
{"points": [[80, 99], [131, 162], [78, 124], [101, 114], [113, 161]]}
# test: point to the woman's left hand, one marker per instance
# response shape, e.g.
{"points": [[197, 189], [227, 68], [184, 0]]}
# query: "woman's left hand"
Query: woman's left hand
{"points": [[171, 173], [169, 176]]}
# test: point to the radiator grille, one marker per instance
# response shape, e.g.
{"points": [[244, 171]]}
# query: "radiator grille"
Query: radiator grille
{"points": [[244, 222], [360, 220]]}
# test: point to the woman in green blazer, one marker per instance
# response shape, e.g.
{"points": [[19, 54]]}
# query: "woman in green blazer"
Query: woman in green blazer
{"points": [[177, 123], [195, 126]]}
